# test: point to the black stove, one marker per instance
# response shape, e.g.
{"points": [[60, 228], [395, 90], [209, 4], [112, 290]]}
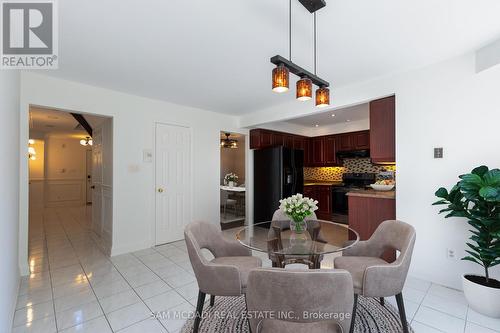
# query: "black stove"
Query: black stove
{"points": [[350, 181]]}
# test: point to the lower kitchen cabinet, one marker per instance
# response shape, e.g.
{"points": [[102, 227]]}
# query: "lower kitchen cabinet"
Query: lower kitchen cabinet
{"points": [[366, 214], [322, 193]]}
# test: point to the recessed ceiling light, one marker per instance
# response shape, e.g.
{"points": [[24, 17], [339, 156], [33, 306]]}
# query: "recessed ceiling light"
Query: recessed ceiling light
{"points": [[316, 125], [348, 120], [333, 115]]}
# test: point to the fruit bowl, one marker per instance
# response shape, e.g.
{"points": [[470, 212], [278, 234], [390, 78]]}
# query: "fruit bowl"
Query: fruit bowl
{"points": [[380, 187]]}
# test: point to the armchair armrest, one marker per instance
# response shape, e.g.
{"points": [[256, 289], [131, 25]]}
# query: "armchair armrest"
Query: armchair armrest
{"points": [[384, 280], [231, 248], [220, 280]]}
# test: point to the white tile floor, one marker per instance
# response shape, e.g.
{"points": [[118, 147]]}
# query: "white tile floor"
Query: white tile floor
{"points": [[74, 287]]}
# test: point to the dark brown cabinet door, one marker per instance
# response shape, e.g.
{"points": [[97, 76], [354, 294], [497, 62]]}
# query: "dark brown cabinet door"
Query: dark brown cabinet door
{"points": [[289, 141], [330, 150], [361, 140], [324, 197], [299, 143], [383, 130], [310, 192], [317, 151], [278, 139], [345, 142], [260, 138]]}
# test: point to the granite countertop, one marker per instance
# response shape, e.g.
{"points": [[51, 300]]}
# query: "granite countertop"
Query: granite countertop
{"points": [[320, 182], [373, 194]]}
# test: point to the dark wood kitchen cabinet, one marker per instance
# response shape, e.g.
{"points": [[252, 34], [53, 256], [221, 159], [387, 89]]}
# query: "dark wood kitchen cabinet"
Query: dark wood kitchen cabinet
{"points": [[260, 138], [383, 130], [263, 138], [354, 141], [322, 193], [317, 151], [331, 143], [366, 214]]}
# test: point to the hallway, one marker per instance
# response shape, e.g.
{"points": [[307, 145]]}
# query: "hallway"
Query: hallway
{"points": [[74, 287]]}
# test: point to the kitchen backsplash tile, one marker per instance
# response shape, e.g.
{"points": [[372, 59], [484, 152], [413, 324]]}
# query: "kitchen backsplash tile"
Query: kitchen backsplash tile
{"points": [[355, 165], [327, 174]]}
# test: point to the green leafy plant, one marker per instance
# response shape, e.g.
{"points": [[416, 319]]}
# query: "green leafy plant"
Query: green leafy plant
{"points": [[477, 197]]}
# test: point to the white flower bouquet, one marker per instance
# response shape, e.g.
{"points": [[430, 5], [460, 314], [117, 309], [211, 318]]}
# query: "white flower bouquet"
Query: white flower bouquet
{"points": [[231, 177], [298, 207]]}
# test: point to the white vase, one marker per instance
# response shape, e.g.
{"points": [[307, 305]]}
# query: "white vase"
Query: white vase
{"points": [[231, 184], [482, 299]]}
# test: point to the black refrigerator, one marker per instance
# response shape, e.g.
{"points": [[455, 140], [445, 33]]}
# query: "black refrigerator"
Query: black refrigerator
{"points": [[278, 174]]}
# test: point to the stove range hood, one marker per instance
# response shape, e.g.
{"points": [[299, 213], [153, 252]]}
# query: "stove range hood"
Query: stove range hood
{"points": [[353, 154]]}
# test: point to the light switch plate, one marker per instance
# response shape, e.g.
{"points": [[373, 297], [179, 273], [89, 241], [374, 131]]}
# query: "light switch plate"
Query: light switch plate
{"points": [[438, 152], [147, 155]]}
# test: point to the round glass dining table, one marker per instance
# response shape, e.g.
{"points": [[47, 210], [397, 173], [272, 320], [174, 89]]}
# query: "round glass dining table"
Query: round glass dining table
{"points": [[287, 247]]}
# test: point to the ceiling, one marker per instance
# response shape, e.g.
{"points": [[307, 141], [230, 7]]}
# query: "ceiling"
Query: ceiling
{"points": [[340, 116], [51, 121], [214, 54]]}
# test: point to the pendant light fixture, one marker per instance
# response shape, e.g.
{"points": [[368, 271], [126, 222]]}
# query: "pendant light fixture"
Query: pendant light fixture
{"points": [[281, 77], [322, 93], [281, 73], [304, 89], [322, 97]]}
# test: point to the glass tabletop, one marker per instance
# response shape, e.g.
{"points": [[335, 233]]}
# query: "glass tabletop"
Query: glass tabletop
{"points": [[275, 237]]}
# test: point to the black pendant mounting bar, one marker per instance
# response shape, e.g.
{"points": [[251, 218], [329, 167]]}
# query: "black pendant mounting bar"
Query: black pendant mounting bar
{"points": [[313, 5], [299, 71]]}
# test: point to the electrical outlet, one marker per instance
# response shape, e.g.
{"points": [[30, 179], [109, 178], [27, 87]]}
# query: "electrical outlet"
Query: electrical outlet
{"points": [[451, 254], [438, 152]]}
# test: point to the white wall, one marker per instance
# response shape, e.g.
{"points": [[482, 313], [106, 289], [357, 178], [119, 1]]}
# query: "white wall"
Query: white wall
{"points": [[133, 131], [9, 205], [445, 105], [65, 171]]}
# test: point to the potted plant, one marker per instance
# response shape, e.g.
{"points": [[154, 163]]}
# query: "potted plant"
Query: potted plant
{"points": [[476, 197], [297, 208], [231, 179]]}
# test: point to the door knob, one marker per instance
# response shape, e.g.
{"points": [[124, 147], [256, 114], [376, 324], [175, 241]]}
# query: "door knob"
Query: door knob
{"points": [[160, 190], [92, 187]]}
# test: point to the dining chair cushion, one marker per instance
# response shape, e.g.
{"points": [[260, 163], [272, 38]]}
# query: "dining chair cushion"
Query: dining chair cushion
{"points": [[243, 264], [357, 267], [278, 326]]}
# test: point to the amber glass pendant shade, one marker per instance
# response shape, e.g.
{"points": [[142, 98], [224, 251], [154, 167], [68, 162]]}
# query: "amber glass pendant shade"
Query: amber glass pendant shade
{"points": [[322, 97], [304, 89], [280, 79]]}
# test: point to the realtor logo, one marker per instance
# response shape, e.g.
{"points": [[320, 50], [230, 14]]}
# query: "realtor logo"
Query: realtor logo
{"points": [[29, 34]]}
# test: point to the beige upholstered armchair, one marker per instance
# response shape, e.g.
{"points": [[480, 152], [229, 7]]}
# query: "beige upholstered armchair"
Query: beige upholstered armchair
{"points": [[273, 292], [227, 273], [374, 277]]}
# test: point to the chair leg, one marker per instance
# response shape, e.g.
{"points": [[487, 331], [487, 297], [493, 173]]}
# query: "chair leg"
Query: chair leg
{"points": [[402, 314], [353, 317], [212, 300], [382, 301], [199, 311]]}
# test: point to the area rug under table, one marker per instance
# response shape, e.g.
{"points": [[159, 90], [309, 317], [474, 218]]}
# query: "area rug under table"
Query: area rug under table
{"points": [[227, 315]]}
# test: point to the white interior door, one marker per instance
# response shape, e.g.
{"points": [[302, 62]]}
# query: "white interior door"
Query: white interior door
{"points": [[173, 182]]}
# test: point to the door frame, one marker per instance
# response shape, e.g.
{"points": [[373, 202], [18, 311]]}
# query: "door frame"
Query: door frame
{"points": [[24, 176], [248, 174], [191, 170]]}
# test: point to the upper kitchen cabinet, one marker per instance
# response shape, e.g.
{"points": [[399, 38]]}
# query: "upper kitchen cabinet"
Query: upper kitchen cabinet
{"points": [[263, 138], [353, 141], [260, 138], [331, 144], [383, 130], [317, 153]]}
